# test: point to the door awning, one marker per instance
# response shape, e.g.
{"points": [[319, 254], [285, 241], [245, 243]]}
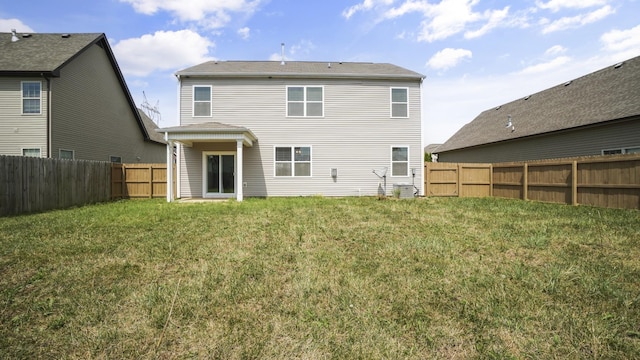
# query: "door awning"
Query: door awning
{"points": [[208, 132]]}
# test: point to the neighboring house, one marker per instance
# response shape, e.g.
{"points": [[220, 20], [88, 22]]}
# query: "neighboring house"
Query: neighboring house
{"points": [[265, 128], [596, 114], [432, 150], [63, 96]]}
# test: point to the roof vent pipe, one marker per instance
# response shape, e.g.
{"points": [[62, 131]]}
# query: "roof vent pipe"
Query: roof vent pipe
{"points": [[14, 36], [282, 54]]}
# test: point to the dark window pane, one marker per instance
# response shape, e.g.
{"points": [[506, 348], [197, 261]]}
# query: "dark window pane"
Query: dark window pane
{"points": [[295, 94], [399, 95], [283, 169], [202, 94], [303, 169], [314, 109], [303, 154], [314, 94], [283, 154]]}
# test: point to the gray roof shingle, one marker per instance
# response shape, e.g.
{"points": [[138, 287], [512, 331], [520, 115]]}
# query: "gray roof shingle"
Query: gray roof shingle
{"points": [[608, 94], [35, 52], [300, 69]]}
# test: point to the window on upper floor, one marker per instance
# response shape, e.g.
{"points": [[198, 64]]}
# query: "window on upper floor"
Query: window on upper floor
{"points": [[292, 161], [399, 102], [305, 101], [399, 161], [31, 97], [32, 152], [202, 100]]}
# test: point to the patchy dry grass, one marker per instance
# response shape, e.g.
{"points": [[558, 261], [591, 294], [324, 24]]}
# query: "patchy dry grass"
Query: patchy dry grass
{"points": [[320, 278]]}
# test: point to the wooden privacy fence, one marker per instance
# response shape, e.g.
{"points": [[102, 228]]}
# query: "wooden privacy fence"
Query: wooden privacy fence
{"points": [[604, 181], [139, 181], [29, 184]]}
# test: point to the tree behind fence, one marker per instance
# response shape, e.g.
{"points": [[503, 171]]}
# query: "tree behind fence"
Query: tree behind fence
{"points": [[29, 184]]}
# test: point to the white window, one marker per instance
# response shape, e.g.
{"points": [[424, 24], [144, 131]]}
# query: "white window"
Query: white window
{"points": [[115, 159], [32, 152], [66, 154], [202, 101], [399, 102], [629, 150], [399, 161], [31, 97], [292, 161], [305, 101]]}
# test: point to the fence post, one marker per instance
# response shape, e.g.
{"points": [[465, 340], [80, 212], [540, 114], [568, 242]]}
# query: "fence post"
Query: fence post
{"points": [[150, 181], [574, 183], [459, 169], [525, 182]]}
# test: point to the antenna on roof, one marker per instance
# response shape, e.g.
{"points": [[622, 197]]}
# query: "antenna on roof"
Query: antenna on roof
{"points": [[14, 36], [153, 112], [282, 54]]}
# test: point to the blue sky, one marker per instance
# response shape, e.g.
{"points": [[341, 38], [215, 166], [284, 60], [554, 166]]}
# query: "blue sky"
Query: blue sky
{"points": [[476, 54]]}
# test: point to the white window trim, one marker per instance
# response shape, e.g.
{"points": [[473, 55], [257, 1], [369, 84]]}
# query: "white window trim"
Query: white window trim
{"points": [[209, 195], [193, 101], [31, 148], [73, 153], [293, 162], [391, 102], [624, 150], [391, 162], [304, 101], [22, 98]]}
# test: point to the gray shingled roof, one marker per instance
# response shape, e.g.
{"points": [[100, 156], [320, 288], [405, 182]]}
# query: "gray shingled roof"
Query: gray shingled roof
{"points": [[608, 94], [306, 69], [36, 52], [151, 128]]}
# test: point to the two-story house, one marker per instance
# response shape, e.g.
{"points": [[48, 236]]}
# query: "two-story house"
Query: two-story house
{"points": [[63, 96], [268, 128]]}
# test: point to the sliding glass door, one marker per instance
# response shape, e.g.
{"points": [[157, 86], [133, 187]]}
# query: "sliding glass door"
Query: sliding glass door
{"points": [[219, 175]]}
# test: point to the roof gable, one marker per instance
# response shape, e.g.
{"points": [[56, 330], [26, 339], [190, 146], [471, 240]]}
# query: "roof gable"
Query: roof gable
{"points": [[46, 54], [300, 69], [608, 94]]}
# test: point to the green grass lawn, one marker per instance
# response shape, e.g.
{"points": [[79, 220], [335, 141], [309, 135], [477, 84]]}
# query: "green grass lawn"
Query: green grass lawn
{"points": [[318, 278]]}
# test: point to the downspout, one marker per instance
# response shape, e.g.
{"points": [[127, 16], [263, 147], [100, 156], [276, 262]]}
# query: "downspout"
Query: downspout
{"points": [[49, 155]]}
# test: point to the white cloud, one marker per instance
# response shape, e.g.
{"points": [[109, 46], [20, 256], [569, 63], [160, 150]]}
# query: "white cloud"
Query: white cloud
{"points": [[555, 50], [295, 52], [448, 58], [447, 18], [622, 40], [546, 66], [364, 6], [164, 50], [9, 24], [244, 32], [577, 21], [557, 5], [496, 19], [207, 13]]}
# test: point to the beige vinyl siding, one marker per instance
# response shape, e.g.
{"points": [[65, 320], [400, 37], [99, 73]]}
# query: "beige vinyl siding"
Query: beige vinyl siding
{"points": [[578, 142], [355, 134], [18, 131], [91, 114]]}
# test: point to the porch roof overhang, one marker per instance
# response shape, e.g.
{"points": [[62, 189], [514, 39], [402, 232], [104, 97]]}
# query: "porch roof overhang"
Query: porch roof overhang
{"points": [[208, 132]]}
